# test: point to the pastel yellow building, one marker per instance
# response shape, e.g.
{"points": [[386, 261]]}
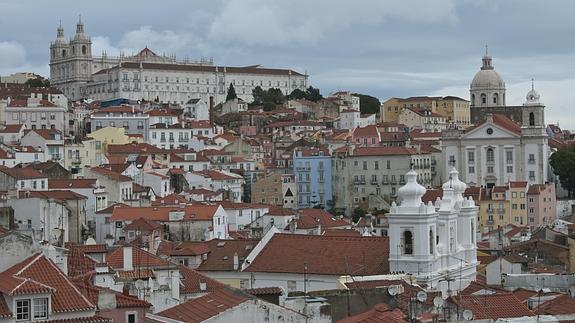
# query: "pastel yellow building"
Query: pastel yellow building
{"points": [[494, 209], [453, 108], [518, 198]]}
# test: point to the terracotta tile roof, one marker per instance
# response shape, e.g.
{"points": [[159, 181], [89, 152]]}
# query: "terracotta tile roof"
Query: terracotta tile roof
{"points": [[379, 313], [4, 310], [118, 109], [171, 199], [228, 205], [72, 183], [183, 248], [341, 233], [518, 184], [22, 173], [11, 128], [111, 174], [560, 305], [48, 134], [310, 218], [264, 291], [137, 188], [79, 261], [41, 271], [489, 306], [140, 258], [475, 287], [367, 131], [59, 195], [279, 211], [523, 294], [143, 225], [286, 253], [135, 148], [191, 279], [383, 151], [196, 212], [255, 69], [499, 189], [91, 319], [221, 256], [218, 175], [140, 273], [122, 301], [111, 208], [205, 307]]}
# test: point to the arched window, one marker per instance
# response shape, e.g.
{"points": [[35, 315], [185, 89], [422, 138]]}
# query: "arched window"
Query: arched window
{"points": [[73, 50], [490, 155], [495, 98], [431, 245], [473, 99], [84, 50], [483, 98], [63, 53], [531, 119], [407, 242]]}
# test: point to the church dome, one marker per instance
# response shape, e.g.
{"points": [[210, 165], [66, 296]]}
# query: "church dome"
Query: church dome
{"points": [[456, 184], [411, 193], [487, 77]]}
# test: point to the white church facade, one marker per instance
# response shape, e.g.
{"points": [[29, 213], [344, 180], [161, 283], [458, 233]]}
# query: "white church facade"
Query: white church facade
{"points": [[434, 242], [509, 143], [148, 76]]}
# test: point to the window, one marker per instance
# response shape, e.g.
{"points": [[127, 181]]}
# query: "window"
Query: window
{"points": [[376, 165], [22, 309], [483, 98], [514, 194], [510, 169], [490, 155], [509, 157], [471, 156], [531, 175], [531, 119], [365, 165], [490, 169], [40, 308], [407, 242], [451, 160], [471, 169], [431, 240], [291, 285], [131, 318], [388, 164]]}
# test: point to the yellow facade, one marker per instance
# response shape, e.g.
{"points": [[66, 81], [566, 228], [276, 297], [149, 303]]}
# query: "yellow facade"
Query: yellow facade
{"points": [[494, 212], [518, 205], [455, 110]]}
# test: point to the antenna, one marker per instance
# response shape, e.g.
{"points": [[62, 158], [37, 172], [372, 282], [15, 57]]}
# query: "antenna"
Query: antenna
{"points": [[486, 50]]}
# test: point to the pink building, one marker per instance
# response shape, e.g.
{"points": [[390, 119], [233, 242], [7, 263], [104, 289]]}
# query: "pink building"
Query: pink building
{"points": [[541, 204]]}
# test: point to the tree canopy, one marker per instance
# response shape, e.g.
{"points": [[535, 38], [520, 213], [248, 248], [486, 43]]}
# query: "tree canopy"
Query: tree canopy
{"points": [[563, 163], [38, 82], [270, 98], [368, 103], [231, 93]]}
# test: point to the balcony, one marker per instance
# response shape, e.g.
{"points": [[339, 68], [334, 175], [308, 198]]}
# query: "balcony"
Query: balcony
{"points": [[490, 222], [490, 211], [302, 169], [76, 160], [385, 181], [393, 182], [500, 210], [373, 182], [401, 182]]}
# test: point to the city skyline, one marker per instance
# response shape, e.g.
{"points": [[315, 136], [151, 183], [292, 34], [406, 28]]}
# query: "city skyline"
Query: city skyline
{"points": [[384, 49]]}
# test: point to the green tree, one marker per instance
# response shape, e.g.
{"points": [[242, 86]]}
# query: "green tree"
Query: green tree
{"points": [[368, 103], [312, 94], [258, 93], [563, 163], [231, 93], [275, 96], [297, 94], [38, 82], [357, 214]]}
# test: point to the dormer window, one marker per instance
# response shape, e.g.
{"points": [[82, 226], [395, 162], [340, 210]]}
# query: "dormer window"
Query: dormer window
{"points": [[27, 309]]}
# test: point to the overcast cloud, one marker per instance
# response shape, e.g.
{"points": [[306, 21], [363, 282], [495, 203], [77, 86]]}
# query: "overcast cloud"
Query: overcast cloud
{"points": [[383, 48]]}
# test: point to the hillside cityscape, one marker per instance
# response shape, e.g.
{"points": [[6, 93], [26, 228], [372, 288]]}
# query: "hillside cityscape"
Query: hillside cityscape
{"points": [[150, 187]]}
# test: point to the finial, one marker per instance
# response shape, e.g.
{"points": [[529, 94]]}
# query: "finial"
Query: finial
{"points": [[486, 50], [80, 18], [60, 25], [532, 86]]}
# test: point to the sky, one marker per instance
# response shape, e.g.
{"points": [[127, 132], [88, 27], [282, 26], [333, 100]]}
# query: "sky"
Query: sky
{"points": [[384, 48]]}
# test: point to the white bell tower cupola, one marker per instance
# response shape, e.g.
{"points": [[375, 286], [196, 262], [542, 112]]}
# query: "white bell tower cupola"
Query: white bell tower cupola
{"points": [[533, 113], [412, 232]]}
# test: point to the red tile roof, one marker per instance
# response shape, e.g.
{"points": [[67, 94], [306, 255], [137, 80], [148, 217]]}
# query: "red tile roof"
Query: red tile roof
{"points": [[265, 291], [489, 306], [111, 174], [518, 184], [205, 307], [183, 248], [217, 175], [38, 271], [311, 218], [122, 301], [140, 258], [191, 279], [379, 313], [135, 148], [286, 253], [221, 256], [196, 212], [171, 199], [72, 183], [111, 208], [383, 151], [560, 305], [143, 225], [61, 195], [22, 173]]}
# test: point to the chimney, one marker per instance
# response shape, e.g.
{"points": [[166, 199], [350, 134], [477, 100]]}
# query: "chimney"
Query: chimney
{"points": [[128, 258], [106, 300], [203, 286], [236, 261]]}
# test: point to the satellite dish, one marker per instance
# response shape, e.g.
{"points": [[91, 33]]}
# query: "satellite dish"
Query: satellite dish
{"points": [[438, 301], [421, 296], [139, 284], [467, 315], [392, 290], [90, 241]]}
